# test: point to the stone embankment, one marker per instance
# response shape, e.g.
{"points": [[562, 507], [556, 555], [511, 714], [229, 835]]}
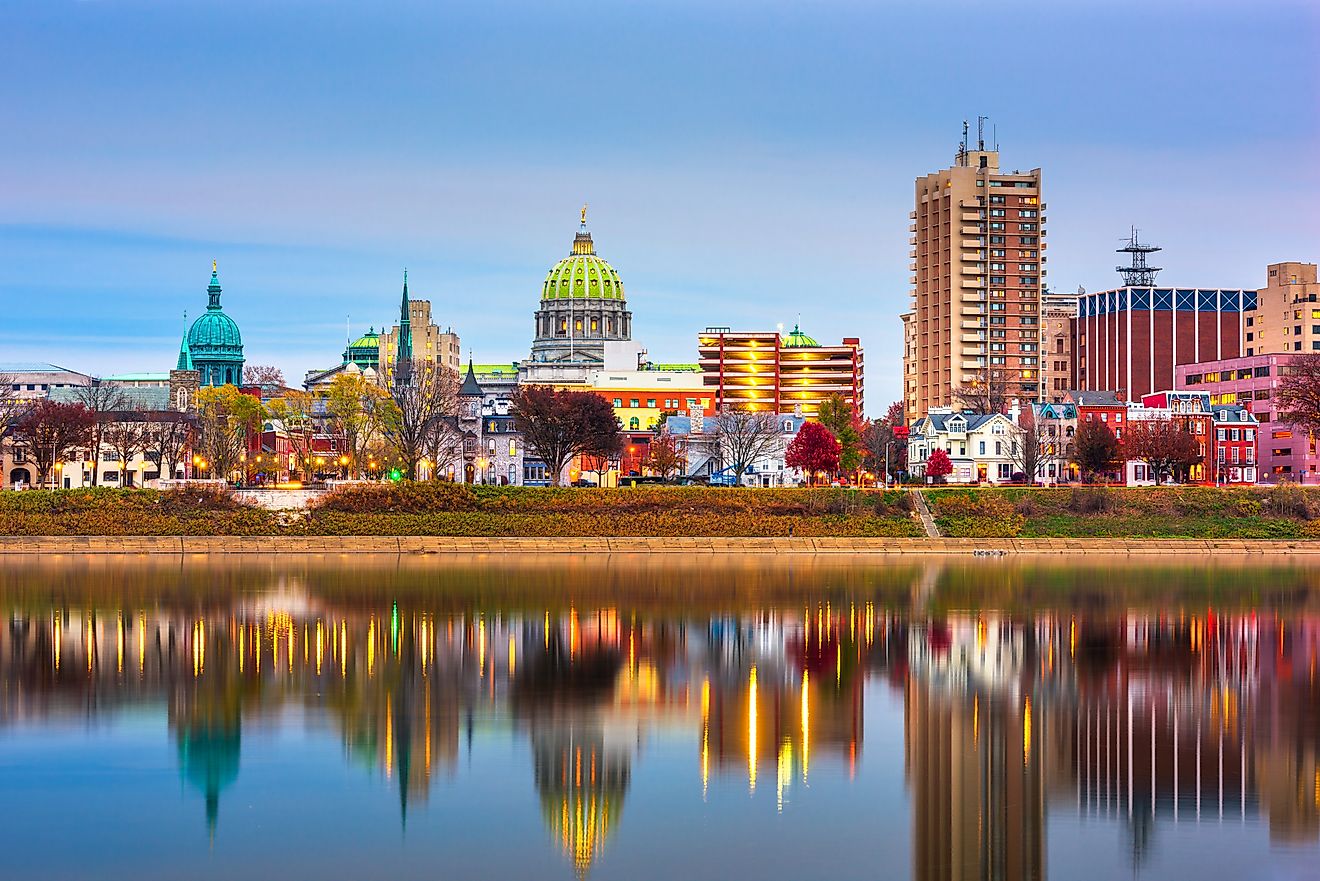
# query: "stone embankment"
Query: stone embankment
{"points": [[970, 547]]}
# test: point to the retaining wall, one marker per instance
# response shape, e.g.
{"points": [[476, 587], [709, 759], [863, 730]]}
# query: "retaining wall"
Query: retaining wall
{"points": [[168, 544]]}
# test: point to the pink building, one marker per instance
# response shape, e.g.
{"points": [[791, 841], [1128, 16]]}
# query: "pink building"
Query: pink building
{"points": [[1284, 452]]}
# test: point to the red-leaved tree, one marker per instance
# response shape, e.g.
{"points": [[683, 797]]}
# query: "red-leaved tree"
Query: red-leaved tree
{"points": [[814, 449], [52, 432], [559, 424], [939, 466]]}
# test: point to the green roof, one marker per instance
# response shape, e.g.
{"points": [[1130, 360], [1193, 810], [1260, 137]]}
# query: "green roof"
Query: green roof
{"points": [[582, 275], [496, 369], [138, 377], [799, 340]]}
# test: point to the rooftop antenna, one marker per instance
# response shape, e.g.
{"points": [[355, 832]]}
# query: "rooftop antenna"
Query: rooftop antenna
{"points": [[994, 129], [348, 333], [1139, 274], [962, 146], [980, 133]]}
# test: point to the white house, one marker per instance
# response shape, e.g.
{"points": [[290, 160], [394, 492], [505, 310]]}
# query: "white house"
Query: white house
{"points": [[980, 446], [705, 459]]}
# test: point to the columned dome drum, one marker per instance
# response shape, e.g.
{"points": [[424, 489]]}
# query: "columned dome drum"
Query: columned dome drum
{"points": [[582, 307], [214, 343]]}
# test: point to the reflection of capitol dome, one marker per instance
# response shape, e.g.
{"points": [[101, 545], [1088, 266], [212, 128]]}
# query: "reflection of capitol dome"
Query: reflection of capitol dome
{"points": [[582, 783]]}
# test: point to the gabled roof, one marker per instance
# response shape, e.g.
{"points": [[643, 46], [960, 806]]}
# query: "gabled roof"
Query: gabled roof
{"points": [[940, 421]]}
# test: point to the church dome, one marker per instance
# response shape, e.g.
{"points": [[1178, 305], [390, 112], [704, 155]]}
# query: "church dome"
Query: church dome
{"points": [[799, 340], [582, 274], [214, 332]]}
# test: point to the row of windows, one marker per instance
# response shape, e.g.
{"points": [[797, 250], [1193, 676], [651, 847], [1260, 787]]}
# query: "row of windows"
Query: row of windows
{"points": [[669, 403], [1227, 375]]}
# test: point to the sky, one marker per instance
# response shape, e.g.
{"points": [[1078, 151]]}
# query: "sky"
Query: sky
{"points": [[747, 163]]}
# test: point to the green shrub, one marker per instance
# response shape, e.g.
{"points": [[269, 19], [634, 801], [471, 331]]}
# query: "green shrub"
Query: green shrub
{"points": [[1288, 500]]}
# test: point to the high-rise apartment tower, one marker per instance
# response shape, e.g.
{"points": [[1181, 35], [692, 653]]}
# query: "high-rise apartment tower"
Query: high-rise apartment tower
{"points": [[978, 244]]}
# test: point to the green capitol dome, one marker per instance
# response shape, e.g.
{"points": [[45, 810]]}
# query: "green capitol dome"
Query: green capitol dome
{"points": [[582, 275], [215, 346]]}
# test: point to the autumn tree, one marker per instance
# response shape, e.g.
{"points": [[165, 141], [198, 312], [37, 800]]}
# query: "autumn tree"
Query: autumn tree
{"points": [[12, 408], [561, 424], [1163, 445], [263, 374], [666, 456], [986, 392], [814, 450], [743, 436], [357, 408], [423, 411], [1297, 396], [295, 411], [168, 437], [225, 418], [839, 416], [939, 466], [52, 432], [126, 436], [1026, 446], [1095, 449], [103, 400], [885, 440]]}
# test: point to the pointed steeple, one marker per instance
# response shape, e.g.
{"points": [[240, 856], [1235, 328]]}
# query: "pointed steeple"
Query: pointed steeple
{"points": [[470, 388], [185, 353], [403, 355]]}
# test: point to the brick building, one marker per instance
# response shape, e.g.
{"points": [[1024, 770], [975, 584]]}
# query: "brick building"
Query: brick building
{"points": [[1131, 339], [1284, 452], [978, 244]]}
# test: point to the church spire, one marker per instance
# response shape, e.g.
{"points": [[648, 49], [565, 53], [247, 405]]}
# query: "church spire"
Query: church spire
{"points": [[403, 357]]}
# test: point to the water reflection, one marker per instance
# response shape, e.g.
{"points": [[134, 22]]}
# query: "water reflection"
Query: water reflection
{"points": [[1160, 700]]}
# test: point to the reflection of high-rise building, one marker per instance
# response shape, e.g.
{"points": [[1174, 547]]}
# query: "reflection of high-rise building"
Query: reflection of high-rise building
{"points": [[974, 768]]}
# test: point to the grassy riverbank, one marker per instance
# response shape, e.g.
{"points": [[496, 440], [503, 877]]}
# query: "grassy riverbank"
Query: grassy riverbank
{"points": [[440, 509], [1193, 512]]}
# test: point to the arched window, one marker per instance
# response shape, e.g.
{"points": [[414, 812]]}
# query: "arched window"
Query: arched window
{"points": [[633, 424]]}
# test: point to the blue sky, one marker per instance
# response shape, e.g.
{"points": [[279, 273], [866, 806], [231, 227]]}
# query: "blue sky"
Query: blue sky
{"points": [[745, 162]]}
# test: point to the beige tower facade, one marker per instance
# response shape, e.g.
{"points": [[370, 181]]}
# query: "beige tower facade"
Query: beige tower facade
{"points": [[1287, 316], [1058, 312], [429, 342], [978, 269]]}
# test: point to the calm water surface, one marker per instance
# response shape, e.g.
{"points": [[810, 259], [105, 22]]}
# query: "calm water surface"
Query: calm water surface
{"points": [[636, 718]]}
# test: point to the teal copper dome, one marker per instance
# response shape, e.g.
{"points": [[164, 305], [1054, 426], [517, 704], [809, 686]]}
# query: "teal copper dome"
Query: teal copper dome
{"points": [[214, 342], [582, 275], [798, 340]]}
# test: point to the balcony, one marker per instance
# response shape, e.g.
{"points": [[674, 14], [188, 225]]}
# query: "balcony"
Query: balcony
{"points": [[973, 269], [972, 215], [972, 243], [971, 230], [973, 283]]}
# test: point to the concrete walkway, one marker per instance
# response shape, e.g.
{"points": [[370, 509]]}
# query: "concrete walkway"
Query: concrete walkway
{"points": [[927, 521]]}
